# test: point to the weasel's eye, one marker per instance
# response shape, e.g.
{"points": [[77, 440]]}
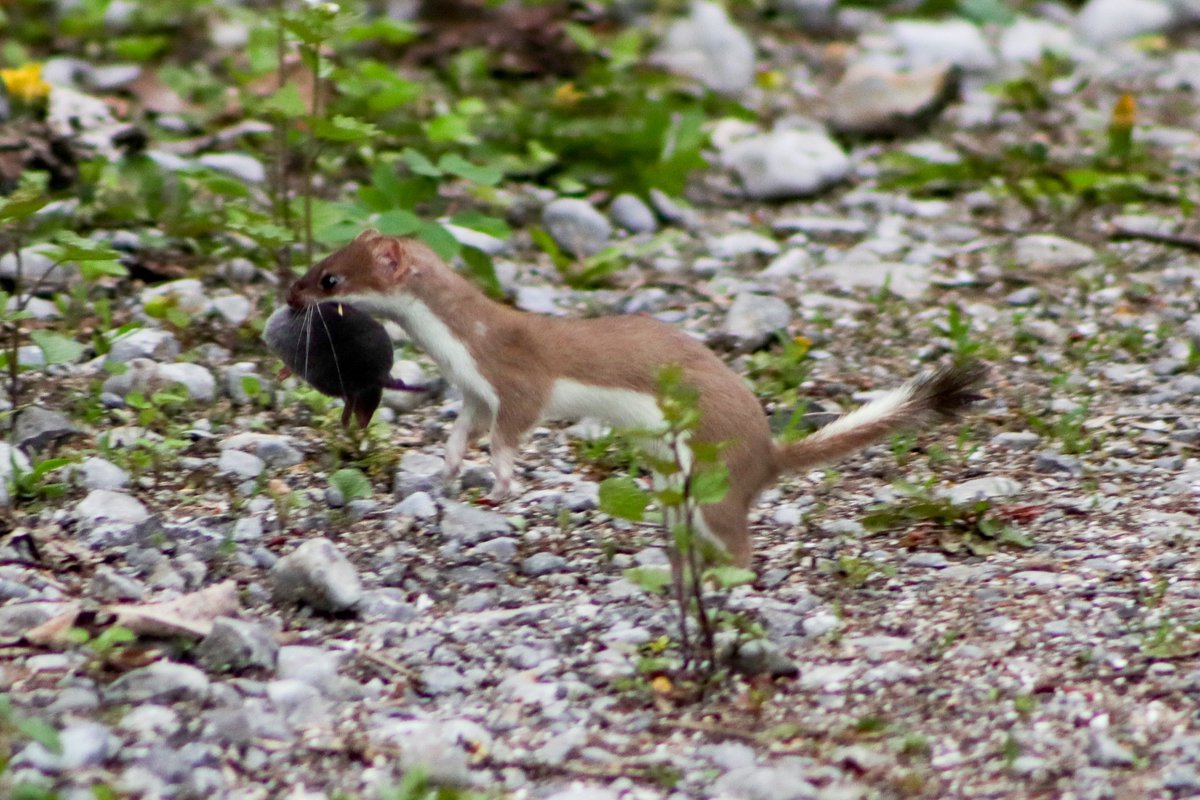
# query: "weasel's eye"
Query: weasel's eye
{"points": [[330, 281]]}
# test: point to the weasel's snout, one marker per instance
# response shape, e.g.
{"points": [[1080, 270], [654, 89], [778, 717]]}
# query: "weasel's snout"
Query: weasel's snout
{"points": [[295, 296]]}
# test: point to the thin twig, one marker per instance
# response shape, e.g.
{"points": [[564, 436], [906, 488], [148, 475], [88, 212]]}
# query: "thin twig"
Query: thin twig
{"points": [[1174, 239]]}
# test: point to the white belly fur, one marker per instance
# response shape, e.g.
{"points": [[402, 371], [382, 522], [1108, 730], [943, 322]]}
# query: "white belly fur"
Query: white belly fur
{"points": [[621, 408]]}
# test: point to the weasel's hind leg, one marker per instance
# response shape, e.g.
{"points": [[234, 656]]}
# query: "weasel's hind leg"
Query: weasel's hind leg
{"points": [[725, 524]]}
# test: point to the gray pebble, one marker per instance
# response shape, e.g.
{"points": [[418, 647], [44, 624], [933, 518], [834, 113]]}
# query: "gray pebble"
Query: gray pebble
{"points": [[577, 227], [102, 504], [36, 428], [754, 318], [540, 564], [470, 525], [787, 163], [234, 645], [629, 212], [317, 574], [152, 343], [162, 681], [100, 473]]}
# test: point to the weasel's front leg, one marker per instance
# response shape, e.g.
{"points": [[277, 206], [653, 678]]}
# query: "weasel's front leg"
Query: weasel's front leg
{"points": [[471, 422], [511, 424]]}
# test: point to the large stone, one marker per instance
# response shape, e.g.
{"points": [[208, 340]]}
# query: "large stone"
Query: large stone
{"points": [[470, 525], [317, 574], [110, 506], [576, 226], [36, 428], [754, 318], [707, 46], [235, 644], [1105, 21], [871, 100], [1047, 253], [787, 163], [161, 682]]}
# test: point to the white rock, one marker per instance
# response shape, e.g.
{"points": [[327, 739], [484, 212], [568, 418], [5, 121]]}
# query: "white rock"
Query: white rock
{"points": [[240, 465], [233, 308], [242, 166], [709, 47], [904, 280], [1105, 21], [871, 100], [37, 269], [316, 573], [152, 343], [100, 473], [789, 266], [576, 226], [104, 504], [754, 318], [787, 163], [1029, 39], [742, 243], [988, 488], [629, 212], [199, 382], [952, 41], [70, 112], [1045, 253], [477, 239]]}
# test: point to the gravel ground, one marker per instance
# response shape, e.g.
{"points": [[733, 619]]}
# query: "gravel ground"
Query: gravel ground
{"points": [[498, 649]]}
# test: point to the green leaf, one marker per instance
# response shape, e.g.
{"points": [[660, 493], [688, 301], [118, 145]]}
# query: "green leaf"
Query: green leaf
{"points": [[710, 484], [40, 732], [344, 129], [620, 496], [93, 270], [398, 222], [56, 348], [480, 267], [439, 239], [419, 163], [727, 576], [457, 165], [71, 246], [286, 102], [352, 483], [22, 204], [450, 128], [484, 223], [649, 579]]}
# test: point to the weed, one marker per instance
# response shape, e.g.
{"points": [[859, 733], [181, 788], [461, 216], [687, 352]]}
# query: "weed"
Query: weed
{"points": [[973, 526], [779, 372], [687, 476]]}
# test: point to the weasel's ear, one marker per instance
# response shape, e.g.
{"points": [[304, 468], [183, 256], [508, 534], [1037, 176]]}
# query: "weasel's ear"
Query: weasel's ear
{"points": [[389, 255], [367, 235]]}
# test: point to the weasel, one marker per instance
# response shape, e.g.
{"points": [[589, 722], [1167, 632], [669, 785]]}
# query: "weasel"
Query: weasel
{"points": [[516, 369]]}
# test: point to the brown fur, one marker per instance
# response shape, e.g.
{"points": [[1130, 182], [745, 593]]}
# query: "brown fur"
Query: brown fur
{"points": [[521, 356]]}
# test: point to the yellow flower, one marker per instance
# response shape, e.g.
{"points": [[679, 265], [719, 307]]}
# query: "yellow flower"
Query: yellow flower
{"points": [[25, 83]]}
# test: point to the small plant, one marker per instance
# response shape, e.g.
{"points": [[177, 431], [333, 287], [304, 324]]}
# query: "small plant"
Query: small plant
{"points": [[415, 785], [974, 526], [15, 729], [779, 372], [687, 476], [351, 483], [1069, 429]]}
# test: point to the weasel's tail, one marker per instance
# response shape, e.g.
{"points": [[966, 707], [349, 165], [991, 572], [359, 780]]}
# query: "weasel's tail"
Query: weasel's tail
{"points": [[940, 394]]}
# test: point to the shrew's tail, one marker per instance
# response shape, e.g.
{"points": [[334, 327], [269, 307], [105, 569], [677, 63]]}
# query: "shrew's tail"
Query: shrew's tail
{"points": [[923, 400]]}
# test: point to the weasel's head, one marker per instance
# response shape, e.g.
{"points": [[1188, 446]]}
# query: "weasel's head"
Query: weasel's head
{"points": [[371, 266]]}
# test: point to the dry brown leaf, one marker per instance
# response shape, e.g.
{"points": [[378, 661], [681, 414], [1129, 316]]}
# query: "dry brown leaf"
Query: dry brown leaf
{"points": [[54, 630], [189, 615]]}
